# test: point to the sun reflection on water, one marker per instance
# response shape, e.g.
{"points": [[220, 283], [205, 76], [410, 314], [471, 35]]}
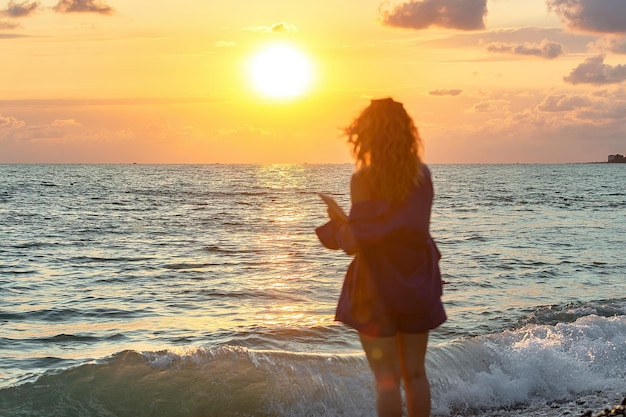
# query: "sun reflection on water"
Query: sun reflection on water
{"points": [[281, 212], [281, 176], [290, 181], [290, 315]]}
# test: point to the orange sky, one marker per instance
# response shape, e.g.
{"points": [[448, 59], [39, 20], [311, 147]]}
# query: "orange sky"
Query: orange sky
{"points": [[487, 81]]}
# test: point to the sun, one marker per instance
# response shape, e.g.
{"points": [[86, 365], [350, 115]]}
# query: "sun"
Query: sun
{"points": [[280, 71]]}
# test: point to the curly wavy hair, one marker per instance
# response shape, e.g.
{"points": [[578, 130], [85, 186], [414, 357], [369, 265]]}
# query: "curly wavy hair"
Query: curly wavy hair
{"points": [[386, 147]]}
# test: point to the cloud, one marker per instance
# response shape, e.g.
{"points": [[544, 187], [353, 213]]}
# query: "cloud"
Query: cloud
{"points": [[609, 43], [594, 107], [606, 108], [545, 49], [595, 71], [9, 123], [246, 130], [570, 126], [20, 9], [7, 25], [223, 44], [82, 6], [37, 104], [445, 92], [65, 123], [451, 14], [489, 106], [281, 27], [572, 43], [12, 129], [39, 138], [563, 103], [603, 16]]}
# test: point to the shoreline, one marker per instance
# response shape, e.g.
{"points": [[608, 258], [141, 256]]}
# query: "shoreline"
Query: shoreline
{"points": [[617, 410]]}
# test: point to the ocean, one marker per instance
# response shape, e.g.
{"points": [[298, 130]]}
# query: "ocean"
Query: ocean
{"points": [[202, 290]]}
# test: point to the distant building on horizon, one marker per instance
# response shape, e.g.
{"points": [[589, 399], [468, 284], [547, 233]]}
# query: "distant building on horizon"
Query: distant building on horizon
{"points": [[616, 159]]}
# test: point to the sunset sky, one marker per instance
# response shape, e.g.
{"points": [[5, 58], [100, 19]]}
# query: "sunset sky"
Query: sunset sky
{"points": [[487, 81]]}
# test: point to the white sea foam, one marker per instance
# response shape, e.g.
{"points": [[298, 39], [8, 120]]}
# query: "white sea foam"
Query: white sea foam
{"points": [[535, 364]]}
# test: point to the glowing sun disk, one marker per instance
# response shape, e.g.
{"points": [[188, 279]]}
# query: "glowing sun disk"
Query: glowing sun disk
{"points": [[280, 71]]}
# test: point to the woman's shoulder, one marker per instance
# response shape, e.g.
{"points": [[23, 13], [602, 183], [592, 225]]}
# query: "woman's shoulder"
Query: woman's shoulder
{"points": [[423, 176], [360, 186]]}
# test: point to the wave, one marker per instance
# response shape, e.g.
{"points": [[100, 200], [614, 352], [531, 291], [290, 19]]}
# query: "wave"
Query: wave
{"points": [[63, 315], [541, 367], [224, 381], [531, 366]]}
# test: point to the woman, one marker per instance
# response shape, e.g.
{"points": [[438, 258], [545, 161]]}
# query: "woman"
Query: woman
{"points": [[392, 291]]}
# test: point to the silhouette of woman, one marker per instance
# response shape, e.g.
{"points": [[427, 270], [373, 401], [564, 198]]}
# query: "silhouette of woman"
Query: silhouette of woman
{"points": [[392, 290]]}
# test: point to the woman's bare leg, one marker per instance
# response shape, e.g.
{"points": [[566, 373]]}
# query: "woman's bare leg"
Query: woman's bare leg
{"points": [[382, 355], [412, 360]]}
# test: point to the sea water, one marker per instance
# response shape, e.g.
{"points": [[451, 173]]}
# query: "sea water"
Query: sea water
{"points": [[202, 290]]}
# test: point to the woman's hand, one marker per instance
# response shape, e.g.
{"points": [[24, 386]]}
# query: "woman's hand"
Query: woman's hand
{"points": [[335, 216], [334, 211]]}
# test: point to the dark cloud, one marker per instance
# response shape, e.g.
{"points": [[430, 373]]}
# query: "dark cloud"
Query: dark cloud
{"points": [[445, 92], [82, 6], [20, 9], [545, 49], [604, 16], [595, 71], [452, 14]]}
